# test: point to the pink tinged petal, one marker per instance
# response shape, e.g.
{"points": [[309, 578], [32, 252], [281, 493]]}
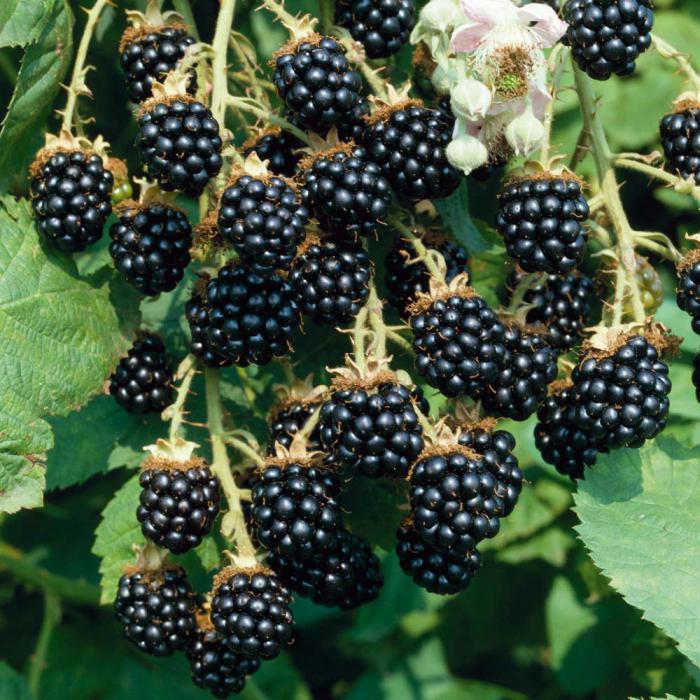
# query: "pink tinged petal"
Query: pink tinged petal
{"points": [[490, 12], [466, 39], [544, 23], [540, 97]]}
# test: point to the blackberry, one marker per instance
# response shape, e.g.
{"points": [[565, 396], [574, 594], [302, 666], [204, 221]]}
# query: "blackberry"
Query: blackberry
{"points": [[178, 504], [296, 509], [71, 196], [540, 221], [559, 439], [405, 276], [459, 344], [156, 610], [287, 421], [142, 382], [331, 280], [621, 398], [607, 36], [316, 82], [263, 220], [148, 54], [680, 138], [453, 500], [179, 144], [346, 576], [242, 317], [688, 291], [151, 246], [215, 668], [345, 191], [696, 376], [279, 148], [438, 572], [350, 128], [561, 304], [527, 367], [373, 431], [250, 610], [381, 26], [409, 144]]}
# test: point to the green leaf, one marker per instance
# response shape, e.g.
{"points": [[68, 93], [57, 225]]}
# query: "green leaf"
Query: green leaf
{"points": [[454, 211], [62, 338], [552, 546], [22, 21], [12, 685], [115, 535], [640, 518], [668, 697]]}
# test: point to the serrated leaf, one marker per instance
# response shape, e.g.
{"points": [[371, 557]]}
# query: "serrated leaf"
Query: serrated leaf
{"points": [[640, 518], [62, 338], [21, 21], [12, 685], [115, 536]]}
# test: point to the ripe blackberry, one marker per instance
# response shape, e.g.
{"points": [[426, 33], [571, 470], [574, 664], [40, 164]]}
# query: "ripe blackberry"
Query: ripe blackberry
{"points": [[381, 26], [607, 36], [179, 144], [142, 382], [178, 504], [263, 220], [71, 196], [408, 141], [148, 54], [696, 376], [250, 610], [279, 148], [561, 304], [345, 191], [438, 572], [214, 667], [156, 610], [688, 291], [453, 500], [242, 317], [406, 276], [316, 82], [540, 221], [151, 246], [621, 398], [680, 138], [559, 439], [287, 420], [373, 430], [350, 128], [346, 576], [459, 344], [331, 280], [527, 367]]}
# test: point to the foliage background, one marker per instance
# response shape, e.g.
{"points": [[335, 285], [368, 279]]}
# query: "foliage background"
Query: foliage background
{"points": [[539, 621]]}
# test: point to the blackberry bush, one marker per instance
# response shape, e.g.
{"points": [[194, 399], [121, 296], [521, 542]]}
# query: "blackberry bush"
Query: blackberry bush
{"points": [[688, 290], [680, 138]]}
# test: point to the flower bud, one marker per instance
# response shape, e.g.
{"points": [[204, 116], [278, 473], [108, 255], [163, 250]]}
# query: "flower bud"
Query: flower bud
{"points": [[466, 153], [440, 81], [441, 15], [470, 99], [525, 133]]}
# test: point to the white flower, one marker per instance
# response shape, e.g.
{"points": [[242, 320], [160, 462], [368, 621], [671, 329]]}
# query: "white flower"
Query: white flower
{"points": [[524, 133], [437, 17], [470, 99]]}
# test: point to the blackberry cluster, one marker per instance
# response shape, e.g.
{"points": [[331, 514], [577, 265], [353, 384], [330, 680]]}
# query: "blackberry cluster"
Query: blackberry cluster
{"points": [[156, 610], [242, 317], [688, 291], [346, 192], [263, 220], [406, 277], [250, 610], [279, 148], [178, 506], [527, 367], [381, 26], [436, 571], [179, 145], [215, 668], [346, 576], [459, 345], [71, 193], [540, 221], [409, 145], [680, 138], [149, 57], [151, 246], [296, 510], [142, 382], [331, 281], [287, 421], [607, 36], [317, 83], [560, 440], [621, 400], [375, 433], [561, 304]]}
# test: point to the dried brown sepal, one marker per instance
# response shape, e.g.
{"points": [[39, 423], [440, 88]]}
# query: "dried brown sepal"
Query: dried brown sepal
{"points": [[422, 59], [154, 463], [559, 385], [439, 290], [344, 147], [256, 168], [537, 171], [299, 392], [350, 377], [605, 341], [136, 32], [444, 442], [689, 259], [131, 205], [228, 572], [686, 101], [150, 104], [384, 110], [207, 236], [45, 155], [203, 620], [291, 47]]}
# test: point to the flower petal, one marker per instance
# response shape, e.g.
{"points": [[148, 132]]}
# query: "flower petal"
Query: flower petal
{"points": [[467, 38], [543, 21], [490, 12]]}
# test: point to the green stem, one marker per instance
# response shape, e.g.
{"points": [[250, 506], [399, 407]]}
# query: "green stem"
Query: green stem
{"points": [[668, 51], [219, 95], [358, 338], [556, 65], [394, 337], [52, 616], [326, 14], [245, 104], [376, 322], [245, 449], [176, 411], [423, 253], [528, 280], [659, 174], [248, 389]]}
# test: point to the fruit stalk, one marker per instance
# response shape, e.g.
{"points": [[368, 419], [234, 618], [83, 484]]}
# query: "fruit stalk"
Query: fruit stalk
{"points": [[176, 411], [667, 51], [219, 94], [51, 619]]}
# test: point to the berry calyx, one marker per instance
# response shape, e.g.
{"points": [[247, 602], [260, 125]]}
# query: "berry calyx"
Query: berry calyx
{"points": [[688, 291], [680, 138]]}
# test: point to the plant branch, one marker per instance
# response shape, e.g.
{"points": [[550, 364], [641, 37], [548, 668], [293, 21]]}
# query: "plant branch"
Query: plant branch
{"points": [[667, 51], [219, 95], [556, 65], [244, 448], [399, 340], [678, 183], [37, 664], [423, 253], [176, 411], [246, 104]]}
